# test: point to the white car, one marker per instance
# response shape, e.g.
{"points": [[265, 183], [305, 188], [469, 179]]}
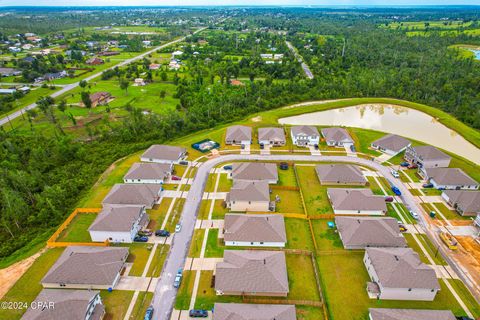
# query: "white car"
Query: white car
{"points": [[178, 227], [414, 215], [395, 173]]}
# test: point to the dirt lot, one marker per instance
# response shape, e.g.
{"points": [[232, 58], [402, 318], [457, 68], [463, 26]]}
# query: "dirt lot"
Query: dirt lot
{"points": [[469, 256]]}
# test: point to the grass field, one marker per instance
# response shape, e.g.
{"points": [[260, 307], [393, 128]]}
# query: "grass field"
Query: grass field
{"points": [[219, 210], [314, 194], [302, 284], [327, 239], [143, 302], [116, 303], [158, 260], [184, 294], [31, 97], [290, 201], [215, 247], [287, 177], [196, 243], [77, 230], [206, 296], [138, 254], [298, 234]]}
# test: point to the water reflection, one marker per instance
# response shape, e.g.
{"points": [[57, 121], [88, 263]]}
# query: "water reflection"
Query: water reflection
{"points": [[399, 120]]}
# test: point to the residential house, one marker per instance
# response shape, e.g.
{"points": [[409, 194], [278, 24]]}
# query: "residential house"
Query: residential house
{"points": [[7, 91], [427, 157], [356, 202], [245, 311], [99, 98], [340, 174], [109, 53], [238, 135], [134, 194], [449, 178], [252, 273], [337, 137], [274, 137], [409, 314], [7, 72], [364, 232], [249, 196], [164, 154], [55, 75], [148, 173], [87, 267], [60, 304], [466, 203], [391, 144], [254, 230], [154, 66], [95, 61], [303, 136], [118, 223], [235, 82], [398, 274], [254, 171], [139, 82]]}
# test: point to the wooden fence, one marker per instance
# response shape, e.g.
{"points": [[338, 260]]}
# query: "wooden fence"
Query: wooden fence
{"points": [[282, 301]]}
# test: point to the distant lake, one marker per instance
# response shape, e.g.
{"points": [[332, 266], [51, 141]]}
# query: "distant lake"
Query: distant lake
{"points": [[476, 53], [403, 121]]}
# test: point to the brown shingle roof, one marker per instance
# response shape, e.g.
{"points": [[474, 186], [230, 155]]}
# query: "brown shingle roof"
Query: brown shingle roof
{"points": [[392, 142], [243, 311], [355, 199], [254, 171], [139, 194], [164, 152], [148, 171], [271, 134], [468, 201], [249, 191], [117, 218], [255, 228], [401, 268], [238, 133], [340, 173], [430, 153], [87, 266], [305, 130], [262, 272], [68, 304], [449, 176], [410, 314], [369, 232], [336, 134]]}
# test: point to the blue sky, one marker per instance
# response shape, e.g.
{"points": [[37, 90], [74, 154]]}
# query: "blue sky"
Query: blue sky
{"points": [[230, 2]]}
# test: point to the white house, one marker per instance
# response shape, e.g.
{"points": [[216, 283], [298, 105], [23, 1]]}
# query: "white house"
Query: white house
{"points": [[303, 136], [427, 157], [254, 230], [337, 137], [163, 154], [449, 178], [391, 144], [238, 135], [271, 136], [118, 224], [249, 196], [156, 173]]}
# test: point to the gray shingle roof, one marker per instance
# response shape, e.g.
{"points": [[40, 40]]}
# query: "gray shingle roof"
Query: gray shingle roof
{"points": [[68, 304], [164, 152], [139, 194], [305, 130], [340, 173], [355, 199], [336, 134], [449, 176], [271, 134], [117, 218], [369, 232], [252, 271], [410, 314], [401, 268], [392, 142], [468, 201], [255, 228], [243, 311], [249, 191], [148, 171], [87, 265], [430, 153], [238, 133], [254, 171]]}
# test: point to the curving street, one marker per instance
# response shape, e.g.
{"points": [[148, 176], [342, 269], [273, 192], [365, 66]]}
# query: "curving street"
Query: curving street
{"points": [[164, 296]]}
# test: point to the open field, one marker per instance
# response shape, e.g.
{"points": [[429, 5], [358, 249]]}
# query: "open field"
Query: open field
{"points": [[298, 234], [77, 230]]}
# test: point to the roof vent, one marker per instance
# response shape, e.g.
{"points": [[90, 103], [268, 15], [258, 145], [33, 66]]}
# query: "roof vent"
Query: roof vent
{"points": [[396, 258]]}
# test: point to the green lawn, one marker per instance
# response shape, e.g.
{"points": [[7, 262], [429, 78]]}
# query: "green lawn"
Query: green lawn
{"points": [[287, 177], [302, 284], [31, 97], [196, 244], [116, 303], [449, 214], [77, 230], [219, 210], [206, 296], [298, 234], [158, 260], [309, 313], [374, 186], [436, 256], [143, 302], [327, 239], [28, 286], [175, 215], [215, 247], [290, 201], [466, 296], [363, 139], [412, 173], [158, 212], [224, 184], [138, 254], [184, 294], [315, 195]]}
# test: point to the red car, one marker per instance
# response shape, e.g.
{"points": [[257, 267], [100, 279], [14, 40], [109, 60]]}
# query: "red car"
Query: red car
{"points": [[412, 166], [389, 199], [176, 178]]}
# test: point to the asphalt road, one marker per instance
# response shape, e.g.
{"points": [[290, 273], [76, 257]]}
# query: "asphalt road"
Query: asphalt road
{"points": [[164, 296], [69, 87], [305, 67]]}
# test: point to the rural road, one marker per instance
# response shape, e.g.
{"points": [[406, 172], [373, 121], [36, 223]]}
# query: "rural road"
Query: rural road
{"points": [[305, 67], [164, 295], [68, 87]]}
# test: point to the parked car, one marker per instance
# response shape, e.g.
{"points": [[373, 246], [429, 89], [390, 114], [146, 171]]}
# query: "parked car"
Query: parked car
{"points": [[427, 185], [414, 215], [352, 148], [395, 173], [140, 239], [178, 227], [405, 164], [396, 191], [162, 233], [178, 279], [183, 163], [242, 146], [148, 313], [464, 318], [316, 147], [402, 228], [262, 146], [146, 233], [389, 199], [283, 165], [412, 166], [176, 178], [198, 313], [229, 167]]}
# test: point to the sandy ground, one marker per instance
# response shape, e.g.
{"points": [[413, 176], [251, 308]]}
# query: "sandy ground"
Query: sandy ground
{"points": [[469, 256], [10, 275]]}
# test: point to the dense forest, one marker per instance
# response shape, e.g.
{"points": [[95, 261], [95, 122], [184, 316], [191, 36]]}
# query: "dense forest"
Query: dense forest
{"points": [[43, 177]]}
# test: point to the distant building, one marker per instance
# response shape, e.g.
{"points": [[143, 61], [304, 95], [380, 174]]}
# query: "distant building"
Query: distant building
{"points": [[133, 194], [449, 178], [466, 203], [139, 82], [95, 61], [391, 144], [409, 314], [154, 66], [148, 173], [7, 72], [427, 157], [100, 98], [164, 154]]}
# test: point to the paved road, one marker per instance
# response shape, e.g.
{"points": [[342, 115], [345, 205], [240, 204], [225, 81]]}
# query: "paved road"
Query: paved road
{"points": [[69, 87], [164, 295], [305, 67]]}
